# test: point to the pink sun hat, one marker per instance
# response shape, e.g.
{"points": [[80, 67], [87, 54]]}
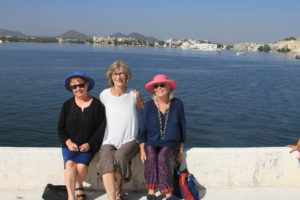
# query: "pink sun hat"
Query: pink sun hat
{"points": [[160, 78]]}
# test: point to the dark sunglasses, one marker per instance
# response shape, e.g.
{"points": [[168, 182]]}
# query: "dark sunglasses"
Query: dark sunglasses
{"points": [[80, 85], [159, 85]]}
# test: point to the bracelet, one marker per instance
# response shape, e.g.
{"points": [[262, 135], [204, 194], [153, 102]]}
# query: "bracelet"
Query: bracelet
{"points": [[180, 151]]}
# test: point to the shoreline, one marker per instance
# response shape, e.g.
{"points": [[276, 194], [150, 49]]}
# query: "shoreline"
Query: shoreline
{"points": [[218, 50]]}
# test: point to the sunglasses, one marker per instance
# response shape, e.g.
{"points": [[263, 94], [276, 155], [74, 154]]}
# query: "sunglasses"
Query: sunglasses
{"points": [[80, 85], [159, 85]]}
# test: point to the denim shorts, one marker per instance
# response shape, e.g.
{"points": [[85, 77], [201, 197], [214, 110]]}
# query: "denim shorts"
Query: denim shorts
{"points": [[78, 157]]}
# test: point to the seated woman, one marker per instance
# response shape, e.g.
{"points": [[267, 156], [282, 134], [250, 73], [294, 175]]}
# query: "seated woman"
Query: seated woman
{"points": [[81, 129], [162, 135], [119, 146]]}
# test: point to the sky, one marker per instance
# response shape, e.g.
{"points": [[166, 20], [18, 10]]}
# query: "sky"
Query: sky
{"points": [[221, 21]]}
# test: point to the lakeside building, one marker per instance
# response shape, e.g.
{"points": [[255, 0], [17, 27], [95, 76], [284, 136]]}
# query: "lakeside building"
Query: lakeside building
{"points": [[109, 40], [60, 40], [293, 45], [112, 41], [199, 46], [247, 46], [190, 44], [173, 43]]}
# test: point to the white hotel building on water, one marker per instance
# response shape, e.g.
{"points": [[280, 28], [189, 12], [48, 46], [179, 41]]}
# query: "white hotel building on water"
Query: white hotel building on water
{"points": [[199, 46]]}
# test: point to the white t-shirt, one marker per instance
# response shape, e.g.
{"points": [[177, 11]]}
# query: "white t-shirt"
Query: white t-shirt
{"points": [[121, 115]]}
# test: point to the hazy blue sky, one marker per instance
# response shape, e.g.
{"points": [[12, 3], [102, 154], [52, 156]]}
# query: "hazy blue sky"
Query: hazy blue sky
{"points": [[225, 21]]}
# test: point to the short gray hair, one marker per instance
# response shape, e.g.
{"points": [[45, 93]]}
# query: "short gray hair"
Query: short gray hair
{"points": [[118, 65]]}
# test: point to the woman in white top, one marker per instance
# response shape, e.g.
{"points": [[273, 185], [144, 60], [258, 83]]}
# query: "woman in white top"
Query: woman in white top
{"points": [[119, 146]]}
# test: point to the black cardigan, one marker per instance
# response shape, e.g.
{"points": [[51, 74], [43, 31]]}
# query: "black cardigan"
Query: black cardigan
{"points": [[82, 127]]}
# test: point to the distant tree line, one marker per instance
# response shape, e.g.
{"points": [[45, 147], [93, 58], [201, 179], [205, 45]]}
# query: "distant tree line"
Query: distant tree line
{"points": [[265, 48], [29, 39], [133, 43], [283, 50], [116, 42], [229, 47], [289, 38]]}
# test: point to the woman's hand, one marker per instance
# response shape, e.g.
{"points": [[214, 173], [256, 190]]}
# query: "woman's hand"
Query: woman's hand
{"points": [[295, 147], [180, 153], [71, 145], [179, 157], [143, 156], [85, 147], [140, 102]]}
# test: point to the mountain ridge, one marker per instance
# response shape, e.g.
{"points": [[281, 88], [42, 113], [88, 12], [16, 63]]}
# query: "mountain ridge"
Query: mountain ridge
{"points": [[72, 34], [134, 35], [5, 32], [75, 35]]}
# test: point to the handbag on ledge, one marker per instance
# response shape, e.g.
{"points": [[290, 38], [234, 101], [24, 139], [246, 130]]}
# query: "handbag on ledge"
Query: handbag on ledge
{"points": [[55, 192], [184, 183]]}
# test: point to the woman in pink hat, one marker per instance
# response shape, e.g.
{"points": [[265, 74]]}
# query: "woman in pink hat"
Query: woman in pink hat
{"points": [[162, 135]]}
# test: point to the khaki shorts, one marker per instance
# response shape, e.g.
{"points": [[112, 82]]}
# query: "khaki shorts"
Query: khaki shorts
{"points": [[112, 159]]}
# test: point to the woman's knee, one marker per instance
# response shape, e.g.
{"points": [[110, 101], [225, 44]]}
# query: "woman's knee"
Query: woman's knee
{"points": [[70, 164], [81, 168], [162, 159]]}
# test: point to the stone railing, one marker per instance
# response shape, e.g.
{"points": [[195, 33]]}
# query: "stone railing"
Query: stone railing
{"points": [[32, 168]]}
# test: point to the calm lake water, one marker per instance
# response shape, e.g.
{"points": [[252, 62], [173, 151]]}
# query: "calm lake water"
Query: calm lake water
{"points": [[230, 101]]}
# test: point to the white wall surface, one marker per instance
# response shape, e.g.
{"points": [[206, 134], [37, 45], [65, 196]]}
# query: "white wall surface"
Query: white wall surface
{"points": [[32, 168]]}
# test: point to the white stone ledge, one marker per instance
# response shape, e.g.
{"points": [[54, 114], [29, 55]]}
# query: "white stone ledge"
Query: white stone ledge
{"points": [[31, 168]]}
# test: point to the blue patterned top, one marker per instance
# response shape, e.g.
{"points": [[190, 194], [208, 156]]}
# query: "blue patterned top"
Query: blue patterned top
{"points": [[149, 129]]}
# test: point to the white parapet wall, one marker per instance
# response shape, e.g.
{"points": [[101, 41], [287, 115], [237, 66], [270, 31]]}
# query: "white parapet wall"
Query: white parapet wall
{"points": [[32, 168]]}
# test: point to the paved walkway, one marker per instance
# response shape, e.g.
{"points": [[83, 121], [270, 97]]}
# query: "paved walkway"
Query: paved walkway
{"points": [[267, 193]]}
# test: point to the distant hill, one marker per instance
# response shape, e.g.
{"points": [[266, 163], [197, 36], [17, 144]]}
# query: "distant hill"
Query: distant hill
{"points": [[4, 32], [71, 34], [118, 35], [134, 35], [142, 37]]}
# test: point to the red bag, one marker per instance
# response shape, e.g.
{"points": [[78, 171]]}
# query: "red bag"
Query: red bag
{"points": [[183, 183]]}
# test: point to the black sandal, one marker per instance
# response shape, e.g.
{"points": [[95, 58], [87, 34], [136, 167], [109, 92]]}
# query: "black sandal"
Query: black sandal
{"points": [[121, 197], [81, 196], [151, 197]]}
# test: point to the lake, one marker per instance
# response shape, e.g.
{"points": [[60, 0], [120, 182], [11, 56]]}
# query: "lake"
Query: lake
{"points": [[230, 100]]}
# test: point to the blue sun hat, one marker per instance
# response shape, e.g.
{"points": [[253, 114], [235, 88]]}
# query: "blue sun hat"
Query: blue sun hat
{"points": [[81, 75]]}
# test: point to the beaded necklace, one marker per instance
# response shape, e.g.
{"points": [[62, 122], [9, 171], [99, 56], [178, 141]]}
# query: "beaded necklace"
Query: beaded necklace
{"points": [[162, 129]]}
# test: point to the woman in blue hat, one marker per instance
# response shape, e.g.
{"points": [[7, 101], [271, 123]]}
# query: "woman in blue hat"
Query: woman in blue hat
{"points": [[81, 129]]}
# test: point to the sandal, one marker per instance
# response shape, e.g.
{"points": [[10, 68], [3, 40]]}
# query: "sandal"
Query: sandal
{"points": [[121, 197], [80, 196], [171, 198], [120, 194], [151, 197]]}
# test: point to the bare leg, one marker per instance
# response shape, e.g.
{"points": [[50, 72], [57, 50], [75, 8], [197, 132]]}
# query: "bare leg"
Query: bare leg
{"points": [[82, 171], [119, 186], [70, 178], [169, 194], [109, 184], [151, 192]]}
